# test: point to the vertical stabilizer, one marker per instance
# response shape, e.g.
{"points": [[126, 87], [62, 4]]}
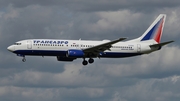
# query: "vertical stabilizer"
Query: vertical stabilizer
{"points": [[154, 31]]}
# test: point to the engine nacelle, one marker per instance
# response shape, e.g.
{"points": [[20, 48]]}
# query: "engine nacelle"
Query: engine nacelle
{"points": [[59, 58], [75, 53]]}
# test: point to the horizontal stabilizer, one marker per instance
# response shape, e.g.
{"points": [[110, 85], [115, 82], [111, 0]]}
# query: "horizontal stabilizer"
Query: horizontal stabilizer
{"points": [[161, 44]]}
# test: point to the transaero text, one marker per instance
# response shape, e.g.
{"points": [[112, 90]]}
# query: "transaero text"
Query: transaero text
{"points": [[50, 42]]}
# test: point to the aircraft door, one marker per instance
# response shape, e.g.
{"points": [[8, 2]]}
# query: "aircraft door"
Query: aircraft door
{"points": [[138, 48], [29, 44]]}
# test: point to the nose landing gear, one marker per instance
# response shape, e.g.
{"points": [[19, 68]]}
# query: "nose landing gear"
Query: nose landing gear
{"points": [[21, 55], [24, 59]]}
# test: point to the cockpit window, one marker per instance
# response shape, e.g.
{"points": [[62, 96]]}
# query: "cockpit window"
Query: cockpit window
{"points": [[17, 43]]}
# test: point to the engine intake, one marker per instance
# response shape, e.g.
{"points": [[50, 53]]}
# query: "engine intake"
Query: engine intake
{"points": [[75, 53]]}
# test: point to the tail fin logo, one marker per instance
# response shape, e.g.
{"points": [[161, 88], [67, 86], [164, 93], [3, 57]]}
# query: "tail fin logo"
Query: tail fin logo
{"points": [[155, 32]]}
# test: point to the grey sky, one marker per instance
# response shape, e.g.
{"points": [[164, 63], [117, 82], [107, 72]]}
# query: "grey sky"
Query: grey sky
{"points": [[151, 77]]}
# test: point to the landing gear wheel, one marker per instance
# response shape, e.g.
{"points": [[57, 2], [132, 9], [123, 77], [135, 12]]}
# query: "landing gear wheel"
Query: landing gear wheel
{"points": [[84, 62], [24, 59], [91, 60]]}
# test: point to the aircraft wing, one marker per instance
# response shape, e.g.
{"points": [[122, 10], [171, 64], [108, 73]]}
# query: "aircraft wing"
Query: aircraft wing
{"points": [[102, 47]]}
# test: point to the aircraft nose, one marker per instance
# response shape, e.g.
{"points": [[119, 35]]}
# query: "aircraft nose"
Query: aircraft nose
{"points": [[11, 48]]}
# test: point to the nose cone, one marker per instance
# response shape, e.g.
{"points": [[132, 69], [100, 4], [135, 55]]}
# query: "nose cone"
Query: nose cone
{"points": [[11, 48]]}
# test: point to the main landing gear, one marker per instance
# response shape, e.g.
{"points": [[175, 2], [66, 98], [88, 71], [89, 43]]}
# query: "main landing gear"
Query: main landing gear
{"points": [[85, 62]]}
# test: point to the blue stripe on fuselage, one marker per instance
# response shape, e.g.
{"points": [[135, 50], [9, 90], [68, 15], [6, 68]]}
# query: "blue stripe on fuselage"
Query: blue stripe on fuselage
{"points": [[41, 52], [63, 53], [118, 54]]}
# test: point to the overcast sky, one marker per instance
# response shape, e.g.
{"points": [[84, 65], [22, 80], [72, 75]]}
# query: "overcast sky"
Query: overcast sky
{"points": [[152, 77]]}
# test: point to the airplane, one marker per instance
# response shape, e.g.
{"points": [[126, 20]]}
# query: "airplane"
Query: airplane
{"points": [[69, 50]]}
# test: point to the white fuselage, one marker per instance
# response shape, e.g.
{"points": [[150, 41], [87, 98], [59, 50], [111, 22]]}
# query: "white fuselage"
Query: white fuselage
{"points": [[51, 47]]}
